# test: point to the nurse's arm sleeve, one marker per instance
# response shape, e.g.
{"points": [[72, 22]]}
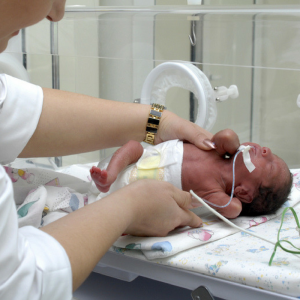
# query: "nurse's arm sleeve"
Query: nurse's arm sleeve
{"points": [[20, 110], [33, 265]]}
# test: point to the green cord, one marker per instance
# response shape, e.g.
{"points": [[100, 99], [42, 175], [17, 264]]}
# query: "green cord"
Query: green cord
{"points": [[278, 238]]}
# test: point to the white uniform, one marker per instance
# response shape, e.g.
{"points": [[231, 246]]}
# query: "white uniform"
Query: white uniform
{"points": [[33, 265], [160, 162]]}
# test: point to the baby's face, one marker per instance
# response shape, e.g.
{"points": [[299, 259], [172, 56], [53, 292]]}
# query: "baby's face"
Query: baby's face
{"points": [[270, 170]]}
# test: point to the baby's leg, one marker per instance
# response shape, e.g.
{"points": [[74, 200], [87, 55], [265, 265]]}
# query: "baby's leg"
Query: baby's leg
{"points": [[124, 156]]}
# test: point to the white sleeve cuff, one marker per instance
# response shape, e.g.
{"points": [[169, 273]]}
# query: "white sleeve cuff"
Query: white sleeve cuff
{"points": [[33, 265], [20, 109], [51, 262]]}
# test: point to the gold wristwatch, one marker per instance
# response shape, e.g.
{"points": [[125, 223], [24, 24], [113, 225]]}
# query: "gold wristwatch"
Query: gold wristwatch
{"points": [[153, 122]]}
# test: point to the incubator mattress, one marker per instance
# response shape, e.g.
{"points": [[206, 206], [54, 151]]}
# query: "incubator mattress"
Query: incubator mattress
{"points": [[238, 256], [216, 249]]}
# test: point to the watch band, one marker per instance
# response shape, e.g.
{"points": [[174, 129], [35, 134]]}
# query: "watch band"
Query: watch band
{"points": [[153, 122]]}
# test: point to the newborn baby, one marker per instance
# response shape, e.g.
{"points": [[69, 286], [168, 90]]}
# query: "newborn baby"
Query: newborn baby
{"points": [[207, 173]]}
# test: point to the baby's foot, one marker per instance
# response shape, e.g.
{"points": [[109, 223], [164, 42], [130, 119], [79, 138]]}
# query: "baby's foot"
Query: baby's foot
{"points": [[100, 179]]}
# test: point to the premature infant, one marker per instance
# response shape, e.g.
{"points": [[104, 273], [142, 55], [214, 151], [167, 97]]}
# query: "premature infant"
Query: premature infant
{"points": [[207, 173]]}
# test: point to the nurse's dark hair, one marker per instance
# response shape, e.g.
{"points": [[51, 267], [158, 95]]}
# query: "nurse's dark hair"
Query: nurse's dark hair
{"points": [[268, 200]]}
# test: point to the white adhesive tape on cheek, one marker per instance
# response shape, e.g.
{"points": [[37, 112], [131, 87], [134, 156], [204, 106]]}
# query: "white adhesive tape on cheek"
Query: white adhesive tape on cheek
{"points": [[246, 157]]}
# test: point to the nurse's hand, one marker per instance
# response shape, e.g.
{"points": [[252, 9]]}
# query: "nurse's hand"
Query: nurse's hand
{"points": [[172, 127], [157, 208], [145, 207], [226, 142]]}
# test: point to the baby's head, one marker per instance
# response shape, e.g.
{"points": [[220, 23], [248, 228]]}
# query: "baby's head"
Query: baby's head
{"points": [[267, 187]]}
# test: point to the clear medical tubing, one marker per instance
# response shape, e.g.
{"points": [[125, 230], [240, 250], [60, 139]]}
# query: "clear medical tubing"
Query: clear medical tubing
{"points": [[186, 76]]}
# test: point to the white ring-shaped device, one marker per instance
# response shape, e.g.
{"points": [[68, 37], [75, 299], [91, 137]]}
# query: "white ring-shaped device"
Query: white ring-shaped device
{"points": [[187, 76]]}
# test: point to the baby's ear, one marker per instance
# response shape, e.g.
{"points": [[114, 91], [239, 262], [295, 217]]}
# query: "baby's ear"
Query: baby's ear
{"points": [[243, 194]]}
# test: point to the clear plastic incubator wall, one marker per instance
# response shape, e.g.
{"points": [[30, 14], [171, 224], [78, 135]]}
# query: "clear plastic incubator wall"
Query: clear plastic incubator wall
{"points": [[106, 49]]}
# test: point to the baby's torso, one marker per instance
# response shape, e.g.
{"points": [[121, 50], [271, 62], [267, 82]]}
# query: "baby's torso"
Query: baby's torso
{"points": [[161, 162]]}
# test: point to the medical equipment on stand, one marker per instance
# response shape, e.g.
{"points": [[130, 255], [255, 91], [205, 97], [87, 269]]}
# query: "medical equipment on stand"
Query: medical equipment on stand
{"points": [[190, 77]]}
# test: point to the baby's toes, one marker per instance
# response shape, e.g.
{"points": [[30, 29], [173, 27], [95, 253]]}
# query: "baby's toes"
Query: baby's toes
{"points": [[103, 177]]}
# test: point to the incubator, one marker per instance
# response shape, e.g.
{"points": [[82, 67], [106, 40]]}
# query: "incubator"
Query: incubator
{"points": [[190, 57]]}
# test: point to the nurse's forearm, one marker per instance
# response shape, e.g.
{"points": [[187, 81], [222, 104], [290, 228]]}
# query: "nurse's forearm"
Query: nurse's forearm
{"points": [[88, 233], [72, 123]]}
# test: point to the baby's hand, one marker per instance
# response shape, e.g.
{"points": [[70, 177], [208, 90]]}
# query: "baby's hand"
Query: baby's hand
{"points": [[226, 142]]}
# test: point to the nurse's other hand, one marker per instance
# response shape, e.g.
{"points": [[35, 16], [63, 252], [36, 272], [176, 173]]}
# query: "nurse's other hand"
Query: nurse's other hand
{"points": [[172, 127], [157, 208], [226, 142]]}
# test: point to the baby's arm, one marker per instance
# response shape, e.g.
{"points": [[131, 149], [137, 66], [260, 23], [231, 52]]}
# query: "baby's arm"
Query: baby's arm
{"points": [[226, 142], [124, 156], [231, 211]]}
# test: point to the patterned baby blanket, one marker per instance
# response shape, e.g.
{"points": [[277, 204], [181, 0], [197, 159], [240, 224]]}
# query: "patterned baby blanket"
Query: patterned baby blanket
{"points": [[44, 195], [213, 229]]}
